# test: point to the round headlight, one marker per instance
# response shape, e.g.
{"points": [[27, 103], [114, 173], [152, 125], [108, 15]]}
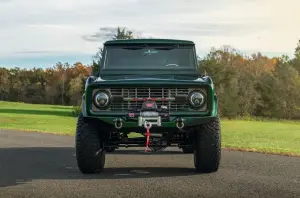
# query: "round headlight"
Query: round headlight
{"points": [[196, 99], [102, 99]]}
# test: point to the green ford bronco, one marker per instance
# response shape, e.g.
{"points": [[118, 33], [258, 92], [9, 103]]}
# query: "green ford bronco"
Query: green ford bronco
{"points": [[150, 87]]}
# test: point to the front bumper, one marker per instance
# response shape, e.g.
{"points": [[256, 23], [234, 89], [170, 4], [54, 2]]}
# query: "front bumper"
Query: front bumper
{"points": [[189, 119]]}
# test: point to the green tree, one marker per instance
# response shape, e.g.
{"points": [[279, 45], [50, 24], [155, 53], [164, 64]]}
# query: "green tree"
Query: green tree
{"points": [[122, 33], [295, 62], [4, 83]]}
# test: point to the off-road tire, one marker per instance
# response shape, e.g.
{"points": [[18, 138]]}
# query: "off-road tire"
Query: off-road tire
{"points": [[207, 153], [89, 155]]}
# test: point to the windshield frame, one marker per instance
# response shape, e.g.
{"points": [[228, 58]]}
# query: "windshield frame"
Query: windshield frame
{"points": [[117, 71]]}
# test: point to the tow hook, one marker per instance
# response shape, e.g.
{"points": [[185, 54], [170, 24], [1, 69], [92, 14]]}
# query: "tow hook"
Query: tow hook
{"points": [[118, 123], [180, 123]]}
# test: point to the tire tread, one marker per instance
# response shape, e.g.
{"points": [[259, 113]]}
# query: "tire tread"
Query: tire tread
{"points": [[208, 147], [87, 144]]}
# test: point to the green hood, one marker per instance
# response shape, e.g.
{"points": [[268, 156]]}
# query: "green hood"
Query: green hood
{"points": [[148, 80]]}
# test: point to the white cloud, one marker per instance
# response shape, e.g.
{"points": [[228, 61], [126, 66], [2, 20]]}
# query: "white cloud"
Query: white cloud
{"points": [[58, 25]]}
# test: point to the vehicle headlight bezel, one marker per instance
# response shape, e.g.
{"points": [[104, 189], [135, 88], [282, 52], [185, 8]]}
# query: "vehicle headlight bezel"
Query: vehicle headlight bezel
{"points": [[193, 96], [102, 95]]}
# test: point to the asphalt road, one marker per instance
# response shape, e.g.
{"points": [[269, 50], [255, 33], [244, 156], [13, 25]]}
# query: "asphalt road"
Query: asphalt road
{"points": [[43, 165]]}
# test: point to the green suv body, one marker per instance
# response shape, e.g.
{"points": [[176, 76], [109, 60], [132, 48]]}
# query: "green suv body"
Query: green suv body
{"points": [[149, 85]]}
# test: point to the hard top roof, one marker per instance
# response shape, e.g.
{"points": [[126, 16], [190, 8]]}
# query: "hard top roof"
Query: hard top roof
{"points": [[149, 41]]}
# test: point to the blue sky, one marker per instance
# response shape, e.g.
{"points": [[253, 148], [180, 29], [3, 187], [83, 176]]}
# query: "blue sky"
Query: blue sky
{"points": [[42, 33]]}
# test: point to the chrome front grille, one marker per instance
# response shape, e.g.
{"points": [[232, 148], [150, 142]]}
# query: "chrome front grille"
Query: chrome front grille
{"points": [[130, 99], [138, 93], [148, 92]]}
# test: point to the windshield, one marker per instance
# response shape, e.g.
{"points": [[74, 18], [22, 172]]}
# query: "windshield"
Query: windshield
{"points": [[139, 57]]}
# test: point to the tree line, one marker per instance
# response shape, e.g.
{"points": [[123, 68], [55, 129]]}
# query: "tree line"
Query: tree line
{"points": [[247, 85]]}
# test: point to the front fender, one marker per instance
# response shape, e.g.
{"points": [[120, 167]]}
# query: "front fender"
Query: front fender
{"points": [[83, 106], [216, 106], [88, 81]]}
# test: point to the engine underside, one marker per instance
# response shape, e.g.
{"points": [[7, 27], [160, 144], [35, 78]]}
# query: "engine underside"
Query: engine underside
{"points": [[157, 141], [149, 131]]}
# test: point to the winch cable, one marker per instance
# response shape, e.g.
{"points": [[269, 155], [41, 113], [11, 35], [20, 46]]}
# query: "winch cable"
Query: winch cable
{"points": [[147, 125]]}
